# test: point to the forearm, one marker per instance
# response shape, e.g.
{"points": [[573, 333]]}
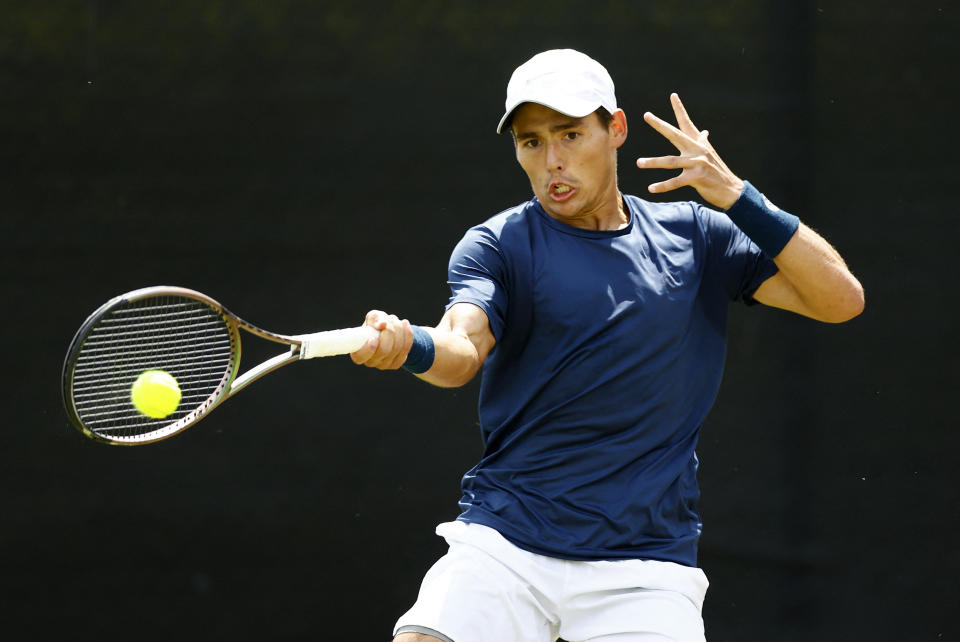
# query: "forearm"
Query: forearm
{"points": [[813, 279], [823, 286], [456, 359], [448, 355]]}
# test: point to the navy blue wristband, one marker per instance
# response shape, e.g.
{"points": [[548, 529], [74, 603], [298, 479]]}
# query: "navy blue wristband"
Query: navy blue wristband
{"points": [[421, 354], [766, 224]]}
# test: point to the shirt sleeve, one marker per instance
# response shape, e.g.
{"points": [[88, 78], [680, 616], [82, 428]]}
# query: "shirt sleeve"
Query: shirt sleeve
{"points": [[740, 265], [477, 274]]}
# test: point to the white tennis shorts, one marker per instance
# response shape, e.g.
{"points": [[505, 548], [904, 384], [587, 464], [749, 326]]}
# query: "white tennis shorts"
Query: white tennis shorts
{"points": [[485, 589]]}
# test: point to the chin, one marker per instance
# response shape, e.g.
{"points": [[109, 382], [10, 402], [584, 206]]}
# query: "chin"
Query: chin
{"points": [[564, 210], [550, 205]]}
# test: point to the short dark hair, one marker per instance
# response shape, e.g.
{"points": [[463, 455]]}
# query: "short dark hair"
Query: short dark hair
{"points": [[605, 119]]}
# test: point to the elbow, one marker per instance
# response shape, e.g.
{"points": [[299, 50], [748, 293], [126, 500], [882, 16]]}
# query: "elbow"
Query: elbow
{"points": [[448, 382], [466, 375], [451, 378], [847, 307]]}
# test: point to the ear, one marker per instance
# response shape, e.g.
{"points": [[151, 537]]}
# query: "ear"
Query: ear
{"points": [[618, 128]]}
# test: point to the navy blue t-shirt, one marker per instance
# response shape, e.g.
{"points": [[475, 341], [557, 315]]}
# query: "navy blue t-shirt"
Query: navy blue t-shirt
{"points": [[610, 349]]}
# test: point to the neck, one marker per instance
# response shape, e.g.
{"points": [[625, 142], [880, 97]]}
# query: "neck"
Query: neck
{"points": [[610, 216]]}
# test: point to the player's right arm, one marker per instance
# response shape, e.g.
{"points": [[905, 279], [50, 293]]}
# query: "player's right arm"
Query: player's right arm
{"points": [[462, 339]]}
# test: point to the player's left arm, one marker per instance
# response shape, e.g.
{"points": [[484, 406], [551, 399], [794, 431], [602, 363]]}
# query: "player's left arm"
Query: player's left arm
{"points": [[813, 279]]}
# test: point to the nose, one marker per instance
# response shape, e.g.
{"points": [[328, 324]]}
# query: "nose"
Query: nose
{"points": [[555, 159]]}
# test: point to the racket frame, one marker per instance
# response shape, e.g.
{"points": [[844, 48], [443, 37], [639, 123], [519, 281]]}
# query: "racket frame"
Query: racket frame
{"points": [[342, 341]]}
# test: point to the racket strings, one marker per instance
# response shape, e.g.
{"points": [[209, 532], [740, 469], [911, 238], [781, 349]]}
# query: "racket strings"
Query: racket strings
{"points": [[134, 339], [182, 336]]}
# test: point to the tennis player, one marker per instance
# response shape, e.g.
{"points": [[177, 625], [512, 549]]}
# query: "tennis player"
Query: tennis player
{"points": [[599, 320]]}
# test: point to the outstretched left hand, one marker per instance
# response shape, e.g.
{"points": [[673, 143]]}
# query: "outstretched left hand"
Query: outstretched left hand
{"points": [[702, 167]]}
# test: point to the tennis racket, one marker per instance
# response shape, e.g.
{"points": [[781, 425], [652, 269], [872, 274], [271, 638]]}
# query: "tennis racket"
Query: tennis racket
{"points": [[188, 335]]}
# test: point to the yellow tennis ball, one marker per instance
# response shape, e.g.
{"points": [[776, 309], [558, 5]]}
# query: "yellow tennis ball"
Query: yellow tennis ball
{"points": [[155, 393]]}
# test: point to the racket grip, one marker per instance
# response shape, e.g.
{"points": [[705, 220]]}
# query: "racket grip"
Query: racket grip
{"points": [[333, 342]]}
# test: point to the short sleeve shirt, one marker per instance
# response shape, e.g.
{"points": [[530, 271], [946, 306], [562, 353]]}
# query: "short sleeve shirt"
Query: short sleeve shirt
{"points": [[609, 354]]}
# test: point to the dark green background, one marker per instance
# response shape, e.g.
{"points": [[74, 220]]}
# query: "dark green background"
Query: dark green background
{"points": [[305, 162]]}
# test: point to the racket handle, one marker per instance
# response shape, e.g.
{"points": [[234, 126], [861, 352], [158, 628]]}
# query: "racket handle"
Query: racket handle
{"points": [[333, 342]]}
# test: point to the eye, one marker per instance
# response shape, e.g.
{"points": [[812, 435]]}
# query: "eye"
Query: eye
{"points": [[530, 143], [572, 135]]}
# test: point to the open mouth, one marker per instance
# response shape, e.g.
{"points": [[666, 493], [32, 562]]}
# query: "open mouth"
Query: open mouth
{"points": [[561, 191]]}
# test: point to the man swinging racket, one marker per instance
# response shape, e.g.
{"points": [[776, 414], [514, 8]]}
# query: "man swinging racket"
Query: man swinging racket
{"points": [[599, 320]]}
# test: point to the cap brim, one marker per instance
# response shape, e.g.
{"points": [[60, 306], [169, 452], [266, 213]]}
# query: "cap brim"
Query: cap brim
{"points": [[567, 105]]}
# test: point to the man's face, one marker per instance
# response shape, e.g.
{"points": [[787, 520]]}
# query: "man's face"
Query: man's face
{"points": [[571, 162]]}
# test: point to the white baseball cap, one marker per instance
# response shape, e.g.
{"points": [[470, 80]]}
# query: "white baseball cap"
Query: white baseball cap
{"points": [[564, 80]]}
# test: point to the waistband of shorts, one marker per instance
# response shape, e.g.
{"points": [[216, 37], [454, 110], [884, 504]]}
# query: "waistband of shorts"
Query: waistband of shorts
{"points": [[650, 574]]}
